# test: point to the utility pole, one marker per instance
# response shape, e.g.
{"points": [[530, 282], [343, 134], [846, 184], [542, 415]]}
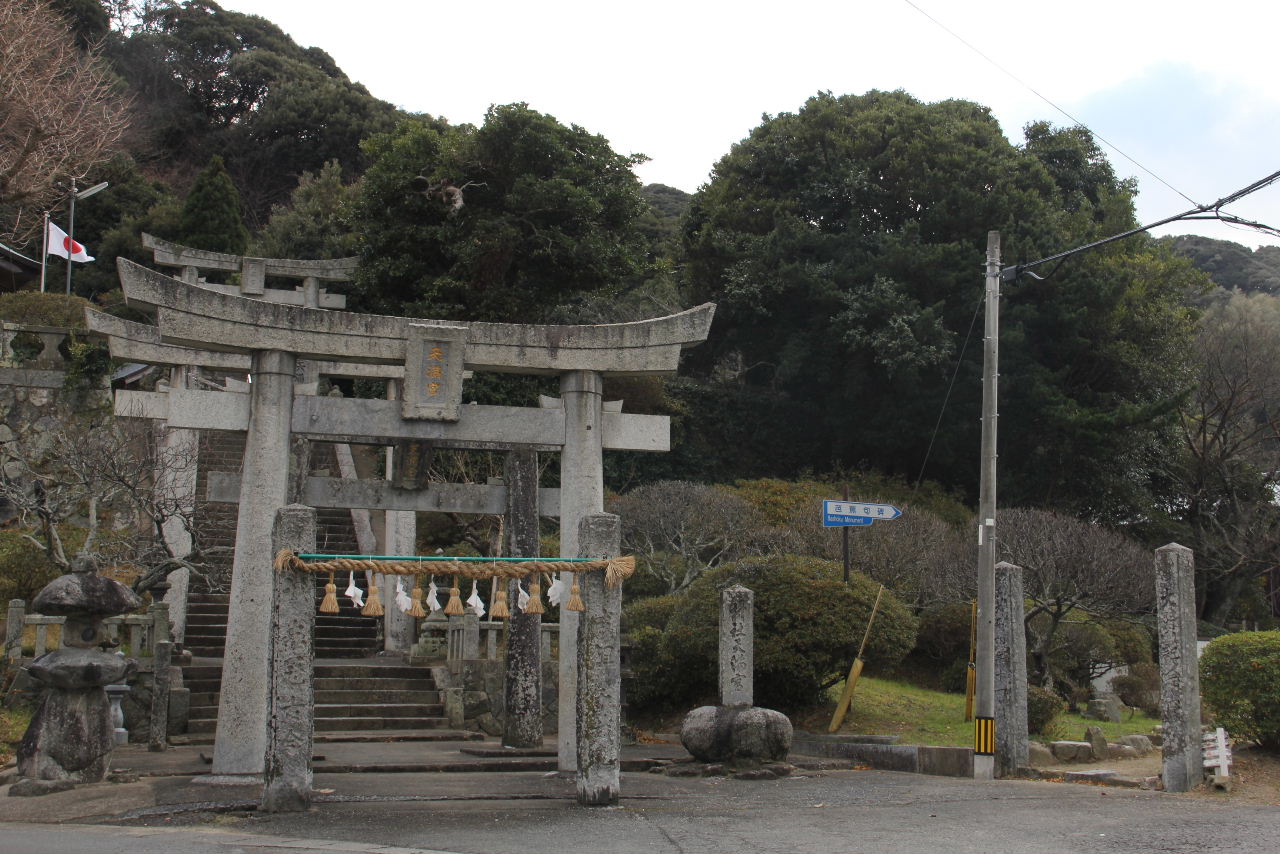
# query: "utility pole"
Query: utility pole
{"points": [[984, 717]]}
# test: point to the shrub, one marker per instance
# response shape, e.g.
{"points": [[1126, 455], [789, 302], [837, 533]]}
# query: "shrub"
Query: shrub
{"points": [[1240, 681], [1043, 708], [1140, 687], [808, 625]]}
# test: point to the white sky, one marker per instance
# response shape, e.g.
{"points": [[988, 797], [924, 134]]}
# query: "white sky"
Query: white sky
{"points": [[1186, 88]]}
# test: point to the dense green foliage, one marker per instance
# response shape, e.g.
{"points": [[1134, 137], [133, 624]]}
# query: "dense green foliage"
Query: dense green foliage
{"points": [[1043, 709], [1240, 680], [807, 627], [500, 222], [1230, 265], [210, 216], [843, 243]]}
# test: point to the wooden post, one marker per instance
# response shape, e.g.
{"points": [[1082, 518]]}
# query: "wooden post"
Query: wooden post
{"points": [[855, 671]]}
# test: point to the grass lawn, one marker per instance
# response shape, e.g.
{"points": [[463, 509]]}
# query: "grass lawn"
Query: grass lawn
{"points": [[922, 716], [13, 723]]}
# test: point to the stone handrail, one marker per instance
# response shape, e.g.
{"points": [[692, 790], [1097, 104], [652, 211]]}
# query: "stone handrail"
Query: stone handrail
{"points": [[144, 630]]}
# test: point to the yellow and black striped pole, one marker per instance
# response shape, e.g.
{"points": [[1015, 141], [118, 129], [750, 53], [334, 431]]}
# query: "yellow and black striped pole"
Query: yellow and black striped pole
{"points": [[984, 737]]}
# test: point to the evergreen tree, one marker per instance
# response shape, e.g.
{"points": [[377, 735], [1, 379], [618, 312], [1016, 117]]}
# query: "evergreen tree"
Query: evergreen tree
{"points": [[211, 215]]}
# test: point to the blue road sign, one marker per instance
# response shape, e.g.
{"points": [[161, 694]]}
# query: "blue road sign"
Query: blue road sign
{"points": [[855, 514]]}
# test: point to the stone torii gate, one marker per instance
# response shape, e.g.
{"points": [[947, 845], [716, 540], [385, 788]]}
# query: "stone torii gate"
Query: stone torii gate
{"points": [[200, 326]]}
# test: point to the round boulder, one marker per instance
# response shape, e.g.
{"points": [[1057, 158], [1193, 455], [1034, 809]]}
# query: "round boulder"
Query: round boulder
{"points": [[730, 733]]}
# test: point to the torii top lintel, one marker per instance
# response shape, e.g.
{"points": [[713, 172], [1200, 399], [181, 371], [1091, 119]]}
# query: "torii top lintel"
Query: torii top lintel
{"points": [[191, 316]]}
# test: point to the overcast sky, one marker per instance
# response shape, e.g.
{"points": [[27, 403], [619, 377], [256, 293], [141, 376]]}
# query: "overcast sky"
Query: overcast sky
{"points": [[1185, 88]]}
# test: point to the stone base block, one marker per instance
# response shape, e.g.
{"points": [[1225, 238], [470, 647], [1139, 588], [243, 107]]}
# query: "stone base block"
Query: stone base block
{"points": [[729, 733]]}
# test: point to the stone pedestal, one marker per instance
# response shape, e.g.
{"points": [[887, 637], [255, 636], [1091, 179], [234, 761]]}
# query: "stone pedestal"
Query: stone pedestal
{"points": [[737, 655], [1179, 667], [599, 723], [287, 763], [1011, 671]]}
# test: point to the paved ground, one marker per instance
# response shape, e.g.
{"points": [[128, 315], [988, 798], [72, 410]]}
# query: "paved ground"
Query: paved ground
{"points": [[471, 811]]}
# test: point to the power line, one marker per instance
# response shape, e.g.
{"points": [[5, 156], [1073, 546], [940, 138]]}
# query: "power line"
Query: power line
{"points": [[1033, 91]]}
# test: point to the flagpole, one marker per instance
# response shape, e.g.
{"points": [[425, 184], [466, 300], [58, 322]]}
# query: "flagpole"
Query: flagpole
{"points": [[44, 256], [71, 234]]}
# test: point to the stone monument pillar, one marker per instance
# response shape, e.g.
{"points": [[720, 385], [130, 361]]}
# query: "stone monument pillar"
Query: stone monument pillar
{"points": [[1179, 667], [176, 478], [287, 763], [241, 739], [1011, 671], [599, 724], [522, 723], [737, 646], [581, 494]]}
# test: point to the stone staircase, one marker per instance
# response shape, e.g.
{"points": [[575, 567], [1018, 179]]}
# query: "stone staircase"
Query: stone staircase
{"points": [[346, 634], [351, 697]]}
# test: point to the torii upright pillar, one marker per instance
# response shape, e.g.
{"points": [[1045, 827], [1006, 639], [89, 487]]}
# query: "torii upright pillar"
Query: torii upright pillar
{"points": [[243, 705], [581, 495]]}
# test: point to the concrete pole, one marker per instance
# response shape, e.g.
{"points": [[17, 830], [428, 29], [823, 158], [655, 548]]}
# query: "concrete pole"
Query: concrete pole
{"points": [[1011, 671], [599, 699], [985, 689], [1179, 667], [176, 479], [581, 495], [522, 724], [290, 737], [240, 741]]}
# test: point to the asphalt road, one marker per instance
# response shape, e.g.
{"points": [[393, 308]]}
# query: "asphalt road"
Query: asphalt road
{"points": [[844, 812]]}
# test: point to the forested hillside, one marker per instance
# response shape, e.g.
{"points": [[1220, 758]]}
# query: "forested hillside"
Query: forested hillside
{"points": [[843, 244]]}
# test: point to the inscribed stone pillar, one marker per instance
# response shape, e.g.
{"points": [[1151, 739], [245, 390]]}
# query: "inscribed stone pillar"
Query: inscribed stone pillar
{"points": [[1010, 671], [581, 494], [522, 724], [737, 651], [599, 724], [13, 629], [240, 741], [158, 733], [1179, 667], [291, 731], [177, 465], [400, 533]]}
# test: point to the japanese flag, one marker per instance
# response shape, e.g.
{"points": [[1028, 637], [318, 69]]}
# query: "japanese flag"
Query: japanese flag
{"points": [[63, 246]]}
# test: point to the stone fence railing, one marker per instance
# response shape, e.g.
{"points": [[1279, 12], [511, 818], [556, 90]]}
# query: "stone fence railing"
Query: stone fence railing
{"points": [[47, 338], [467, 637], [137, 634]]}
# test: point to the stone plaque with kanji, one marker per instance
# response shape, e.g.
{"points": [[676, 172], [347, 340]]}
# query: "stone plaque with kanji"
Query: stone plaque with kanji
{"points": [[433, 372]]}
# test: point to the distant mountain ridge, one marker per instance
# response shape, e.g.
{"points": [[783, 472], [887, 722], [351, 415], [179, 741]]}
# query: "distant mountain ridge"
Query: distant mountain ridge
{"points": [[1231, 265]]}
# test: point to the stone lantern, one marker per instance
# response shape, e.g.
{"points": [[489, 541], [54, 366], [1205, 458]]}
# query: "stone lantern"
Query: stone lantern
{"points": [[70, 737]]}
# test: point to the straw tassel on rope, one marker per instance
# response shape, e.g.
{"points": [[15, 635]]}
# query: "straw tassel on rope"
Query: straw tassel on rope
{"points": [[329, 605], [454, 608], [575, 597], [500, 609], [373, 608], [535, 596], [416, 595]]}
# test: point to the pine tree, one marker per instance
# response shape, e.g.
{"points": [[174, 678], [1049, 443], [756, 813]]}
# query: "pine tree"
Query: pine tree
{"points": [[211, 215]]}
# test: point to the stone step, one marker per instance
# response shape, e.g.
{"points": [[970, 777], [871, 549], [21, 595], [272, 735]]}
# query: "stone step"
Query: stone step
{"points": [[209, 699], [343, 642], [371, 671], [204, 635], [210, 725], [382, 710], [205, 651], [362, 632], [364, 684]]}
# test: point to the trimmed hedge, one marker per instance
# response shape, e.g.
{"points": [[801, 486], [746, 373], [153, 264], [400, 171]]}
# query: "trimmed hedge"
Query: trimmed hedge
{"points": [[1240, 681]]}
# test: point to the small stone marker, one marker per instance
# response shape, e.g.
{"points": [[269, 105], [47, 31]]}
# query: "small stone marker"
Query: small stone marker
{"points": [[737, 657], [1179, 667]]}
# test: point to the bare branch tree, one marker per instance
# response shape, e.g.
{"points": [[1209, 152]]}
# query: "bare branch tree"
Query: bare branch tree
{"points": [[1072, 570], [59, 115], [680, 529], [101, 476]]}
